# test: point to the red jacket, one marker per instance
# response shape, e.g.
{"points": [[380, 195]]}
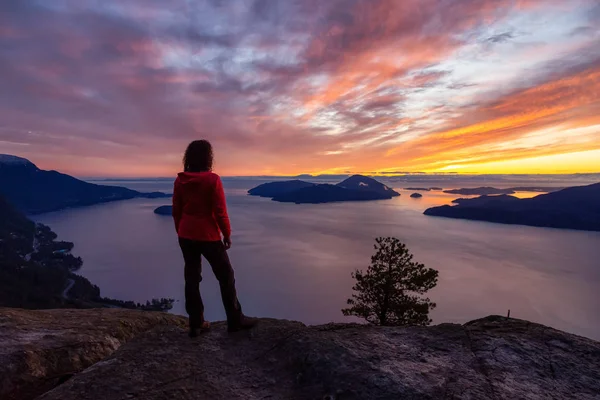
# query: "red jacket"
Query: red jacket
{"points": [[199, 207]]}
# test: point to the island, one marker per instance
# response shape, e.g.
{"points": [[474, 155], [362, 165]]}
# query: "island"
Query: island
{"points": [[480, 191], [35, 191], [164, 210], [354, 188], [490, 191], [326, 193], [416, 195], [572, 208], [272, 189]]}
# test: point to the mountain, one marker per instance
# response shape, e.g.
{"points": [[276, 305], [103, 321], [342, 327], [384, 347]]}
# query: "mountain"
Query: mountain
{"points": [[416, 195], [486, 200], [481, 191], [354, 188], [571, 208], [108, 354], [37, 271], [422, 189], [273, 189], [491, 191], [35, 191], [32, 275], [366, 184], [13, 223]]}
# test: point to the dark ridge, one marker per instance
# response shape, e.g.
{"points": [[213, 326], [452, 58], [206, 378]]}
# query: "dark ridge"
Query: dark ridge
{"points": [[35, 191], [273, 189], [164, 210], [571, 208], [329, 193]]}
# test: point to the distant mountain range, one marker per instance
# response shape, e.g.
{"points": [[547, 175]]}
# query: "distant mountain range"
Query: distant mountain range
{"points": [[481, 191], [354, 188], [490, 191], [423, 189], [572, 208], [35, 191]]}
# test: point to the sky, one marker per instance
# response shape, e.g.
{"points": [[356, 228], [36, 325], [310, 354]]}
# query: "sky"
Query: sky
{"points": [[283, 87]]}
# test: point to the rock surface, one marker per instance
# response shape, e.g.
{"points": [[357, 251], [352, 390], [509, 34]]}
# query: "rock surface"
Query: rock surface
{"points": [[40, 349], [491, 358]]}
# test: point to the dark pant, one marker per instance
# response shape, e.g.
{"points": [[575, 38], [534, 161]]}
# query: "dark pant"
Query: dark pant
{"points": [[217, 257]]}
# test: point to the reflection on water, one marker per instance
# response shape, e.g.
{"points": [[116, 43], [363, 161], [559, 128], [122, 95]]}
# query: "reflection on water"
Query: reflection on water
{"points": [[294, 261]]}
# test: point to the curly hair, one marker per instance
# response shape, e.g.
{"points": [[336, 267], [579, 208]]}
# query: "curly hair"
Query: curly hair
{"points": [[198, 157]]}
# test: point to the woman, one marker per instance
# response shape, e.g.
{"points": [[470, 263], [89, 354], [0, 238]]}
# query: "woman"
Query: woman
{"points": [[200, 215]]}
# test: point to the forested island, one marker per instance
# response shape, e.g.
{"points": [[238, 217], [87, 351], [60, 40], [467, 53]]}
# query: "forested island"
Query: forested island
{"points": [[354, 188]]}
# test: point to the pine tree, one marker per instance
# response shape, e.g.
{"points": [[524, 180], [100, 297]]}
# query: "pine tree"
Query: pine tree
{"points": [[390, 292]]}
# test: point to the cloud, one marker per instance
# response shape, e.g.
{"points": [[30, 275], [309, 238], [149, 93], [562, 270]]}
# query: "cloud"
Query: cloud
{"points": [[501, 37], [284, 87]]}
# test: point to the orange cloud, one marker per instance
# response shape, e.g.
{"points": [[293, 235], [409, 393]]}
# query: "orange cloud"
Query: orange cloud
{"points": [[570, 102]]}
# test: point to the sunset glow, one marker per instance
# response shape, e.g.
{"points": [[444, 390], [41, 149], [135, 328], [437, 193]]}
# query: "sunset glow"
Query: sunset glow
{"points": [[118, 88]]}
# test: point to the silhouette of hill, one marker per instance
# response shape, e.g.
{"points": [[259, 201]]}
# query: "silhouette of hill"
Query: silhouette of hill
{"points": [[481, 191], [37, 271], [483, 200], [13, 223], [416, 195], [424, 189], [490, 191], [354, 188], [571, 208], [164, 210], [34, 191], [366, 184], [326, 193], [273, 189]]}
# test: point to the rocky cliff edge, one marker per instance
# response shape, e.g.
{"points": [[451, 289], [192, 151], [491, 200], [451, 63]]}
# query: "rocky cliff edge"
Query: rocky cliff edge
{"points": [[119, 354]]}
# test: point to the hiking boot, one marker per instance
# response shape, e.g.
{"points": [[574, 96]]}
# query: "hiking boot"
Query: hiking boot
{"points": [[194, 331], [245, 324]]}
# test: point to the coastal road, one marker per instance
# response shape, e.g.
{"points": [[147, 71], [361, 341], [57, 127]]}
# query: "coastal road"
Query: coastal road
{"points": [[70, 284], [34, 248]]}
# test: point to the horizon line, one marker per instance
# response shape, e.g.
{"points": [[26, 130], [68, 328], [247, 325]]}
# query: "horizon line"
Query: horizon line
{"points": [[384, 175]]}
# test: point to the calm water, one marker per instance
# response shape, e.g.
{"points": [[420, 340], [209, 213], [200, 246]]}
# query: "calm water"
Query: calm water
{"points": [[294, 261]]}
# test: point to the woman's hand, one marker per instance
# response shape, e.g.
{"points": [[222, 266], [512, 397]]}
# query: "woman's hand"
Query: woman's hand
{"points": [[227, 243]]}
